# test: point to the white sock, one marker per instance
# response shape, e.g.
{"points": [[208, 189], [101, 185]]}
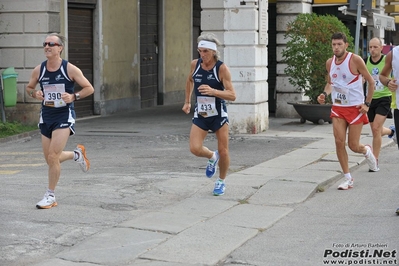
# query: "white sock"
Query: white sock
{"points": [[348, 176], [367, 152], [50, 192], [76, 156], [213, 158]]}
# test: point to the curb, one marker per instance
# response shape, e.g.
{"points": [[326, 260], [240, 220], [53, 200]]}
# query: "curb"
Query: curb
{"points": [[19, 136], [33, 132]]}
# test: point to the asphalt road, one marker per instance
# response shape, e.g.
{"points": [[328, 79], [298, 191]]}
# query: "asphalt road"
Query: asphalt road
{"points": [[132, 155]]}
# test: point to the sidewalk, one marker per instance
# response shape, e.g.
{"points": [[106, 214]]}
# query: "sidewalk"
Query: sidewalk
{"points": [[204, 230]]}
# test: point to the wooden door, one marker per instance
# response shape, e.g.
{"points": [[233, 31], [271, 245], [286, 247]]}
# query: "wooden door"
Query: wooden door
{"points": [[80, 52], [149, 53]]}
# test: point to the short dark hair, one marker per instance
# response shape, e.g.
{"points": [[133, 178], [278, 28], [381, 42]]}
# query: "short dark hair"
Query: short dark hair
{"points": [[339, 36]]}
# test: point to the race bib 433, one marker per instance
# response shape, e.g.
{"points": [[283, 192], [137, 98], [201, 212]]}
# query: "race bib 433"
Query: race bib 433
{"points": [[206, 106]]}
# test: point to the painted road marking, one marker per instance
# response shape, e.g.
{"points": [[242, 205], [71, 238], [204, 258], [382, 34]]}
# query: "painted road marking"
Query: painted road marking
{"points": [[21, 165], [9, 172], [11, 163], [20, 153]]}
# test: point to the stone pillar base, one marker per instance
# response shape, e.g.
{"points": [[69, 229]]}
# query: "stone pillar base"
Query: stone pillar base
{"points": [[26, 114], [248, 118]]}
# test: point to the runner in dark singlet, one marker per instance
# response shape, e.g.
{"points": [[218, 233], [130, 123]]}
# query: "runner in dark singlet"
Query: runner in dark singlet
{"points": [[57, 117], [210, 79]]}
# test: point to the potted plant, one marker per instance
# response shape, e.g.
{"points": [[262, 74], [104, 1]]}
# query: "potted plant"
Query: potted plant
{"points": [[306, 53]]}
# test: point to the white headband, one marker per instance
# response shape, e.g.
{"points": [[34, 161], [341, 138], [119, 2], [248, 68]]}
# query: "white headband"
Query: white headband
{"points": [[207, 44]]}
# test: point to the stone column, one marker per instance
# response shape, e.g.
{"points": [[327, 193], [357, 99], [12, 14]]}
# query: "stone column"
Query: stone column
{"points": [[236, 24], [23, 26], [286, 12]]}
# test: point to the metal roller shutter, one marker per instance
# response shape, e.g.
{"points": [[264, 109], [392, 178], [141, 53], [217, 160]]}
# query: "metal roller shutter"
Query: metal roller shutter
{"points": [[80, 51]]}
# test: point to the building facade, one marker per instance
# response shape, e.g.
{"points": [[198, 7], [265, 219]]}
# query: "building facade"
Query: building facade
{"points": [[137, 54], [120, 46]]}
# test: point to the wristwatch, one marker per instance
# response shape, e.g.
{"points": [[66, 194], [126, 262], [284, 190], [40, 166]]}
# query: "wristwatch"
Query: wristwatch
{"points": [[367, 104], [77, 96]]}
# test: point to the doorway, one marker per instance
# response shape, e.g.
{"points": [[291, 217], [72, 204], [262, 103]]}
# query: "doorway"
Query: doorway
{"points": [[149, 53], [80, 51]]}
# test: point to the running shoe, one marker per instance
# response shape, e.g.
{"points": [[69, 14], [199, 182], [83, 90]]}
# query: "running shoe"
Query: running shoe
{"points": [[347, 184], [219, 188], [371, 160], [397, 211], [82, 160], [375, 170], [212, 166], [393, 136], [47, 202]]}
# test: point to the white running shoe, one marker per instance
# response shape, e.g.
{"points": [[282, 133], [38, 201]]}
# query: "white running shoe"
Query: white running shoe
{"points": [[375, 170], [82, 160], [47, 202], [347, 184], [371, 160]]}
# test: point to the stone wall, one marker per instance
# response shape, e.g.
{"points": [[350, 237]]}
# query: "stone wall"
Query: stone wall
{"points": [[24, 24]]}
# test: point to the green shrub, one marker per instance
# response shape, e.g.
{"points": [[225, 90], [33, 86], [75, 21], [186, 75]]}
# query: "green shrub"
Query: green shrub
{"points": [[13, 128], [308, 49]]}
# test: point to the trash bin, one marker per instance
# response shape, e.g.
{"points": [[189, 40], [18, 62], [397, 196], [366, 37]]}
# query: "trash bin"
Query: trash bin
{"points": [[9, 78]]}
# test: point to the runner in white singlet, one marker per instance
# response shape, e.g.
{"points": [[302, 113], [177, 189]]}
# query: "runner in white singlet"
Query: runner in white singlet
{"points": [[348, 112]]}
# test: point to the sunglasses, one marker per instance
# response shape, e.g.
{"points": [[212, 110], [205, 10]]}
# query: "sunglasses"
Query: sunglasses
{"points": [[51, 44]]}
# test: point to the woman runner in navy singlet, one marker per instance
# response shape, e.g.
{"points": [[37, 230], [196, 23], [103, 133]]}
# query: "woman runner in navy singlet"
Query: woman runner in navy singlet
{"points": [[210, 79]]}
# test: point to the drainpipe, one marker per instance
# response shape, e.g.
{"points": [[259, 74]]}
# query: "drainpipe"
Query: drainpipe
{"points": [[3, 111], [358, 21]]}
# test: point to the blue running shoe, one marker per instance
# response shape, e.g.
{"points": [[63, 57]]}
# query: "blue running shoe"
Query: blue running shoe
{"points": [[393, 136], [212, 166], [219, 188]]}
